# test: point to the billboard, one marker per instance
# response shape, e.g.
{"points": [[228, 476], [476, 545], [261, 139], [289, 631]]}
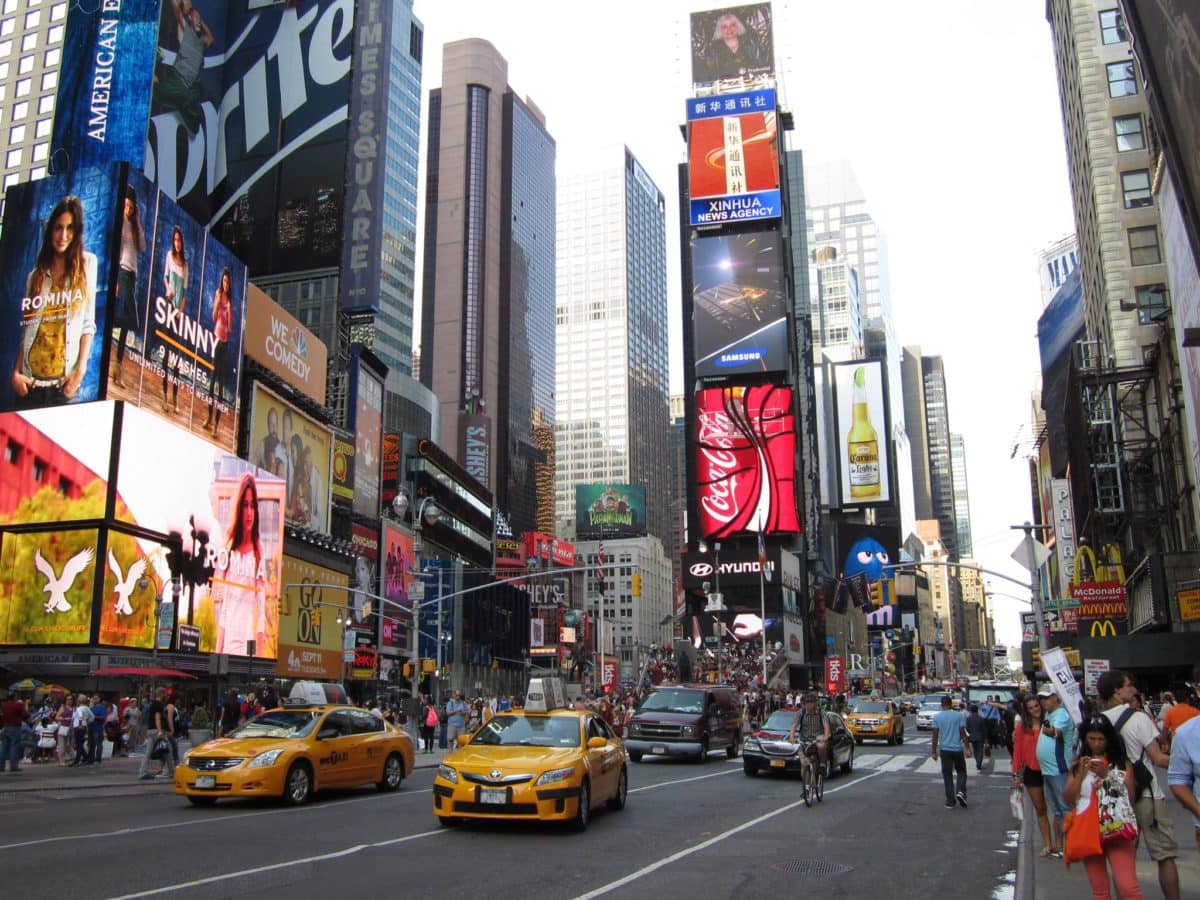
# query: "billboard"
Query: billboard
{"points": [[866, 554], [47, 582], [342, 474], [55, 263], [745, 461], [277, 341], [310, 640], [178, 317], [739, 304], [230, 514], [732, 48], [733, 158], [863, 445], [366, 402], [609, 510], [297, 448], [104, 84]]}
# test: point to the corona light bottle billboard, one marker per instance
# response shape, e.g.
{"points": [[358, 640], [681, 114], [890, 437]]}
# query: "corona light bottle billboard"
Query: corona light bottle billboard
{"points": [[862, 445]]}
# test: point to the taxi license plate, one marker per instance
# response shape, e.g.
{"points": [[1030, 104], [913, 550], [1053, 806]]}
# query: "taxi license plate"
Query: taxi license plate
{"points": [[778, 763], [206, 782], [658, 749], [498, 797]]}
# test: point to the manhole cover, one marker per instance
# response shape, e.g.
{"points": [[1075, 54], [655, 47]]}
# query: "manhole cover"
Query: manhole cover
{"points": [[812, 867]]}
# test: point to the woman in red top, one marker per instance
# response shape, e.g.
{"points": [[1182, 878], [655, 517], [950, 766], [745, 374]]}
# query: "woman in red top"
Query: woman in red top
{"points": [[1027, 773]]}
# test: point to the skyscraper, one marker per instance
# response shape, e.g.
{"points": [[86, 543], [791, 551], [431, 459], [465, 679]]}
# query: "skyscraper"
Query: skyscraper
{"points": [[612, 381], [488, 315], [933, 477], [962, 500]]}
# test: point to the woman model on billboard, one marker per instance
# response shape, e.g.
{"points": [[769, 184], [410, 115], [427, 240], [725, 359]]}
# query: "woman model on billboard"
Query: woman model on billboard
{"points": [[240, 584], [133, 242], [59, 316], [733, 50], [222, 322], [175, 279]]}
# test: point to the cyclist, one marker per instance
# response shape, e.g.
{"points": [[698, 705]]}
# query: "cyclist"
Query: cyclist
{"points": [[812, 727]]}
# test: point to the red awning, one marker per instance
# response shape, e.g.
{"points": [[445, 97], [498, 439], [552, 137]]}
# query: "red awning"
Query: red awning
{"points": [[138, 672]]}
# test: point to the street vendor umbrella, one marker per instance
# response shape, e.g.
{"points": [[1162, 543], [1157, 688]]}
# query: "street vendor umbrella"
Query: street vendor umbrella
{"points": [[53, 689], [139, 672], [25, 684]]}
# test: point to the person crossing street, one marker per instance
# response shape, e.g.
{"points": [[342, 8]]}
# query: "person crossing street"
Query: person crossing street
{"points": [[949, 740]]}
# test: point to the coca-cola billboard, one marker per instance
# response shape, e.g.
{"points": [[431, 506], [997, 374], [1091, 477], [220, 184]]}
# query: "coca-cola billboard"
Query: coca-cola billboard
{"points": [[745, 461]]}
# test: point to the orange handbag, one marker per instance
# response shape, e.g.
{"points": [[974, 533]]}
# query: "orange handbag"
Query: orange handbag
{"points": [[1081, 832]]}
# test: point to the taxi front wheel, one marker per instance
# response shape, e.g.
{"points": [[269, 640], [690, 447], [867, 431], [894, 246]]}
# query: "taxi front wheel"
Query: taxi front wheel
{"points": [[297, 787], [584, 813]]}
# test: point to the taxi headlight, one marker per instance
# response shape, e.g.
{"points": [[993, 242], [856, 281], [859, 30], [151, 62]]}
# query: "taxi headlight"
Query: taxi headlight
{"points": [[448, 773], [555, 775], [266, 759]]}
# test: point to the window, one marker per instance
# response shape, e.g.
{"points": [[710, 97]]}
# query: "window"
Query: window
{"points": [[41, 152], [39, 470], [25, 65], [7, 27], [45, 104], [1121, 81], [12, 452], [49, 80], [19, 111], [1135, 187], [1112, 27], [1129, 133], [29, 41], [11, 178], [16, 134], [23, 87], [1151, 302], [33, 20], [52, 57], [5, 47], [1143, 246], [54, 35], [43, 128], [12, 159]]}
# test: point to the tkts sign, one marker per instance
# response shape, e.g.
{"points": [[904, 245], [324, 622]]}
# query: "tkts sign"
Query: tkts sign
{"points": [[745, 461]]}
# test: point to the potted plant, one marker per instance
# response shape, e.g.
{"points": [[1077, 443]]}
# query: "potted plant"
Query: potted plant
{"points": [[200, 730]]}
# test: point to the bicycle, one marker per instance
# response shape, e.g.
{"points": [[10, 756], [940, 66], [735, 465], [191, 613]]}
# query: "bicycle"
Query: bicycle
{"points": [[812, 779]]}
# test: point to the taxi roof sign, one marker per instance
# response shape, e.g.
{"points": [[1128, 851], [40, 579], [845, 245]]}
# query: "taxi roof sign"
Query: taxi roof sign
{"points": [[545, 694]]}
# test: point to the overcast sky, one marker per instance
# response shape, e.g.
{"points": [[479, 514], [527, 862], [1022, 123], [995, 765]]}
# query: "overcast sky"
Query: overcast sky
{"points": [[949, 113]]}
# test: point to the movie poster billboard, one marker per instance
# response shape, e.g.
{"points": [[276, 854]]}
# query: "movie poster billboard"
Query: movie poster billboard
{"points": [[610, 510], [297, 448], [863, 445], [342, 474], [745, 461], [55, 261], [865, 574], [104, 83], [732, 48], [733, 158], [227, 512], [47, 581], [178, 318], [366, 401], [277, 341], [739, 304], [310, 638], [399, 564]]}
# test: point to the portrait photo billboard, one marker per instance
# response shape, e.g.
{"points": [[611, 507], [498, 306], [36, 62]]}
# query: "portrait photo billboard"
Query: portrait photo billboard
{"points": [[863, 445], [366, 401], [745, 461], [610, 510], [733, 158], [47, 582], [55, 262], [732, 48], [297, 448], [739, 304]]}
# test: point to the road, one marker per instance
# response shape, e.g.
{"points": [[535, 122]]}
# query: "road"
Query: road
{"points": [[687, 830]]}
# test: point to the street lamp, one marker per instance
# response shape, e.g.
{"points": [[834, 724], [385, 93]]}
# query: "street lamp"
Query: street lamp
{"points": [[716, 602]]}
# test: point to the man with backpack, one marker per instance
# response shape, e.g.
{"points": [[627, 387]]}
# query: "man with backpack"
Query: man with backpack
{"points": [[1140, 734]]}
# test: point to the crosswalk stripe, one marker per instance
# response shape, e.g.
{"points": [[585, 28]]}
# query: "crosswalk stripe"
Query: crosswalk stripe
{"points": [[896, 763]]}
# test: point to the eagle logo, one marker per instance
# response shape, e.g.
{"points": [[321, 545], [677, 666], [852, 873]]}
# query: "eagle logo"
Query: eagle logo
{"points": [[125, 585], [58, 585]]}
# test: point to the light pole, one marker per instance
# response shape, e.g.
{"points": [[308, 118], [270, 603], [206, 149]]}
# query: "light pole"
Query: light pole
{"points": [[716, 602]]}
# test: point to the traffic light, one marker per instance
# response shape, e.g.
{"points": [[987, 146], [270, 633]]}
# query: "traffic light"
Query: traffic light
{"points": [[285, 604], [877, 593], [407, 669], [428, 666]]}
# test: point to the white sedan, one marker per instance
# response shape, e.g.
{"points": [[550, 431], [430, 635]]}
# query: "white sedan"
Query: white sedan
{"points": [[925, 715]]}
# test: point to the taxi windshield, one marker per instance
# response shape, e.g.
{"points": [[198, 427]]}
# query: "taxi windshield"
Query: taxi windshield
{"points": [[278, 723], [870, 707], [529, 731], [676, 701]]}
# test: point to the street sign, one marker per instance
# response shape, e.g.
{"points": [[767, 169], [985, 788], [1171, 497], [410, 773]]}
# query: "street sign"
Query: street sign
{"points": [[1040, 555], [1092, 670], [1060, 603]]}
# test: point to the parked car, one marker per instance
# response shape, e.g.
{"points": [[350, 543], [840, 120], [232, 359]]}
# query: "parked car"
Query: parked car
{"points": [[877, 719], [769, 750], [686, 720]]}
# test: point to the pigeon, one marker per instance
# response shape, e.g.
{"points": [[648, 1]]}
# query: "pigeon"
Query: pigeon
{"points": [[125, 585], [57, 587]]}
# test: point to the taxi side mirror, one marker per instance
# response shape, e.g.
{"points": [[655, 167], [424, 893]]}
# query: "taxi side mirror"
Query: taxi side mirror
{"points": [[597, 743], [326, 733], [463, 740]]}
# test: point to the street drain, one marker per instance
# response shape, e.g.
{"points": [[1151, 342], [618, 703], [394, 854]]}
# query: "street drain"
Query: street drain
{"points": [[812, 867]]}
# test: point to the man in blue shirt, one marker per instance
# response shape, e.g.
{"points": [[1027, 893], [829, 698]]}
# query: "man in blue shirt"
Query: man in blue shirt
{"points": [[1055, 752], [456, 717], [1183, 775], [949, 739], [991, 723]]}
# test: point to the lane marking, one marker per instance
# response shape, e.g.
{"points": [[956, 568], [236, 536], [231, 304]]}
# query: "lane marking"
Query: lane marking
{"points": [[320, 857], [682, 854], [207, 821], [650, 787], [896, 763]]}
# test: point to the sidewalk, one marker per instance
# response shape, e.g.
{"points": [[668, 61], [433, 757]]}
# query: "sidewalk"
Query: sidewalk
{"points": [[1050, 879], [121, 772]]}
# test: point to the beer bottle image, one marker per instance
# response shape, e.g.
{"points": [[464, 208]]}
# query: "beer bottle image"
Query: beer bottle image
{"points": [[862, 444]]}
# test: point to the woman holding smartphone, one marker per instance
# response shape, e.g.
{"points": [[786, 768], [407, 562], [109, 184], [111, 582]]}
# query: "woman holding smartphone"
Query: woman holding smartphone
{"points": [[1027, 772]]}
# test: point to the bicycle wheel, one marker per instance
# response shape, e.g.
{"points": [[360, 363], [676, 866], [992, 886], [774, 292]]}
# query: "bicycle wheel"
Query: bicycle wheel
{"points": [[807, 785], [819, 782]]}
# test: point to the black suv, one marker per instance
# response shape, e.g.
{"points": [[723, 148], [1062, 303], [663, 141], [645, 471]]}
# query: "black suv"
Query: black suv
{"points": [[686, 720]]}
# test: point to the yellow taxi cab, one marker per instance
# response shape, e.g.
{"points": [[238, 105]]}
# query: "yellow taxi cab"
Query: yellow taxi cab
{"points": [[878, 719], [295, 750], [544, 762]]}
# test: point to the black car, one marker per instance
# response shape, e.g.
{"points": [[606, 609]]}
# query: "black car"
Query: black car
{"points": [[769, 750]]}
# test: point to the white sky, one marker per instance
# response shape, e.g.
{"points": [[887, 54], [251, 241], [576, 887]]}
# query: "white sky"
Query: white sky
{"points": [[948, 111]]}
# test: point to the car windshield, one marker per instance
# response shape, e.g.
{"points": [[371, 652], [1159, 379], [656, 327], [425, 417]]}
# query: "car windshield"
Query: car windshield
{"points": [[676, 701], [278, 723], [530, 731], [931, 706], [781, 720], [870, 707]]}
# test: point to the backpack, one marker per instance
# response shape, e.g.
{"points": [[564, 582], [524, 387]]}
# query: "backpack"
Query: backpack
{"points": [[431, 716], [1142, 776]]}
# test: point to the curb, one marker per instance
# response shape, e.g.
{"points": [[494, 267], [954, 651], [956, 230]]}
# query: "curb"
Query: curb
{"points": [[1026, 887]]}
